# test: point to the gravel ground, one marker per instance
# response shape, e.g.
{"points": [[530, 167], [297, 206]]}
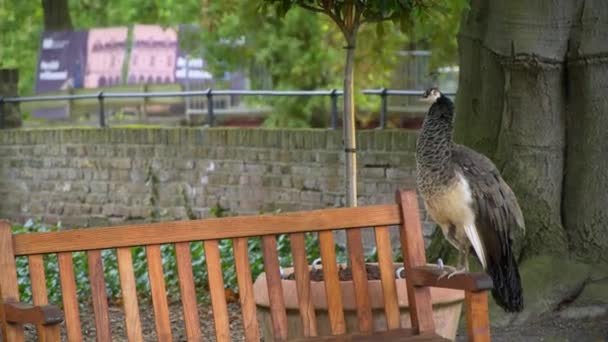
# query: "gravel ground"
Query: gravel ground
{"points": [[551, 328], [147, 320]]}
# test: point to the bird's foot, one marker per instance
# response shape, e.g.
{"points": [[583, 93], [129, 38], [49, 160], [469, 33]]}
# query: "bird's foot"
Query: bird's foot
{"points": [[457, 271], [448, 271]]}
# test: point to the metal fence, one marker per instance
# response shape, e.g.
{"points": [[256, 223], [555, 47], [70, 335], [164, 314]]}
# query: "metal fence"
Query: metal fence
{"points": [[332, 94]]}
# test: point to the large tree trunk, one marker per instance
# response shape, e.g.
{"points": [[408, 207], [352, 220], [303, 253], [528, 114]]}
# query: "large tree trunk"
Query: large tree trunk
{"points": [[532, 97], [56, 15], [585, 206]]}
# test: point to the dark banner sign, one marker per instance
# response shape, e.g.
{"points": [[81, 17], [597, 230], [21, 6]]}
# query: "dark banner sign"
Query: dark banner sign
{"points": [[61, 61], [61, 64]]}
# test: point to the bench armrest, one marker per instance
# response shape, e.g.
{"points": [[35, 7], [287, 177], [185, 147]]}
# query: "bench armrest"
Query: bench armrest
{"points": [[475, 286], [23, 313], [470, 281]]}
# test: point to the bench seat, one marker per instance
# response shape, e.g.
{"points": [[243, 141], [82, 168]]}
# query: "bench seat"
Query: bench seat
{"points": [[397, 335]]}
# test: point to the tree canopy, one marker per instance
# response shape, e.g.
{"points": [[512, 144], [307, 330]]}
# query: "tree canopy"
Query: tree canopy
{"points": [[303, 51]]}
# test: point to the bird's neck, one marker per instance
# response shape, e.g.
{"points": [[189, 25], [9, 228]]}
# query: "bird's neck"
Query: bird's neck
{"points": [[435, 144]]}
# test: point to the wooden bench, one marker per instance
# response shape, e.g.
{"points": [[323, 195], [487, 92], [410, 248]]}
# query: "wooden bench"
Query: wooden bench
{"points": [[404, 213]]}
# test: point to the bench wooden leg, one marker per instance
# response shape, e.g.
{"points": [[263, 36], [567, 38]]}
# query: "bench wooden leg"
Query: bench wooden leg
{"points": [[49, 333], [478, 321]]}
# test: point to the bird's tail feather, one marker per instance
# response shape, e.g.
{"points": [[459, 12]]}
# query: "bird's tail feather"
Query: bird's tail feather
{"points": [[507, 289]]}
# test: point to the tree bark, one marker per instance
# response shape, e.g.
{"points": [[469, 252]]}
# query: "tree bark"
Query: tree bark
{"points": [[56, 15], [585, 207], [10, 115], [350, 29], [530, 97], [350, 144]]}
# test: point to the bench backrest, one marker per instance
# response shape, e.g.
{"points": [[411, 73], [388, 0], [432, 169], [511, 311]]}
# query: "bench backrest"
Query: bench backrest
{"points": [[404, 213]]}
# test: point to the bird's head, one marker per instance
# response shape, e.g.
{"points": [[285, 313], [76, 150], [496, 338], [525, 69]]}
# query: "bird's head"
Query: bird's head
{"points": [[431, 95]]}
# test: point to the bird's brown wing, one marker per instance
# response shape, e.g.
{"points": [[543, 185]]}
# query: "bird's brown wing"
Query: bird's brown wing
{"points": [[494, 203], [497, 216]]}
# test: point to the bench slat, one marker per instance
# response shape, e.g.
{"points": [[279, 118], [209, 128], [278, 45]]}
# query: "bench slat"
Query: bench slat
{"points": [[275, 289], [38, 279], [186, 288], [99, 297], [412, 246], [68, 292], [159, 293], [39, 296], [243, 274], [208, 229], [478, 320], [387, 276], [332, 283], [302, 273], [357, 260], [216, 289], [9, 288], [129, 294]]}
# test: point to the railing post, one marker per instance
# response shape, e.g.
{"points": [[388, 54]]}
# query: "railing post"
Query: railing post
{"points": [[1, 112], [334, 108], [144, 104], [210, 107], [102, 115], [383, 108], [187, 99]]}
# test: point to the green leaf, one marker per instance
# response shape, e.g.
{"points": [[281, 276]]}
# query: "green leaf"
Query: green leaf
{"points": [[404, 24], [380, 30]]}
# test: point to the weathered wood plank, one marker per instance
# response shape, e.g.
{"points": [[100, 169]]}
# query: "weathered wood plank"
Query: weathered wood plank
{"points": [[24, 313], [99, 297], [470, 281], [387, 277], [9, 288], [70, 300], [208, 229], [39, 296], [129, 294], [216, 289], [412, 246], [188, 294], [357, 263], [478, 320], [332, 283], [159, 293], [302, 273], [243, 274], [275, 289]]}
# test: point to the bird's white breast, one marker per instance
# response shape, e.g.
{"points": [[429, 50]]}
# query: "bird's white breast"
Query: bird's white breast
{"points": [[453, 207]]}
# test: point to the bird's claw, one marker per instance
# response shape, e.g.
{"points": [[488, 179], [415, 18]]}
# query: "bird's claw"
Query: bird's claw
{"points": [[456, 271], [448, 271]]}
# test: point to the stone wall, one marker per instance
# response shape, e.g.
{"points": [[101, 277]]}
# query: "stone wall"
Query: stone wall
{"points": [[93, 177]]}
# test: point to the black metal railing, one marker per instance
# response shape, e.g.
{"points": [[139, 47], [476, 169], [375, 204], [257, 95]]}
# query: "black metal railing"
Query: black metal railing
{"points": [[333, 95]]}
